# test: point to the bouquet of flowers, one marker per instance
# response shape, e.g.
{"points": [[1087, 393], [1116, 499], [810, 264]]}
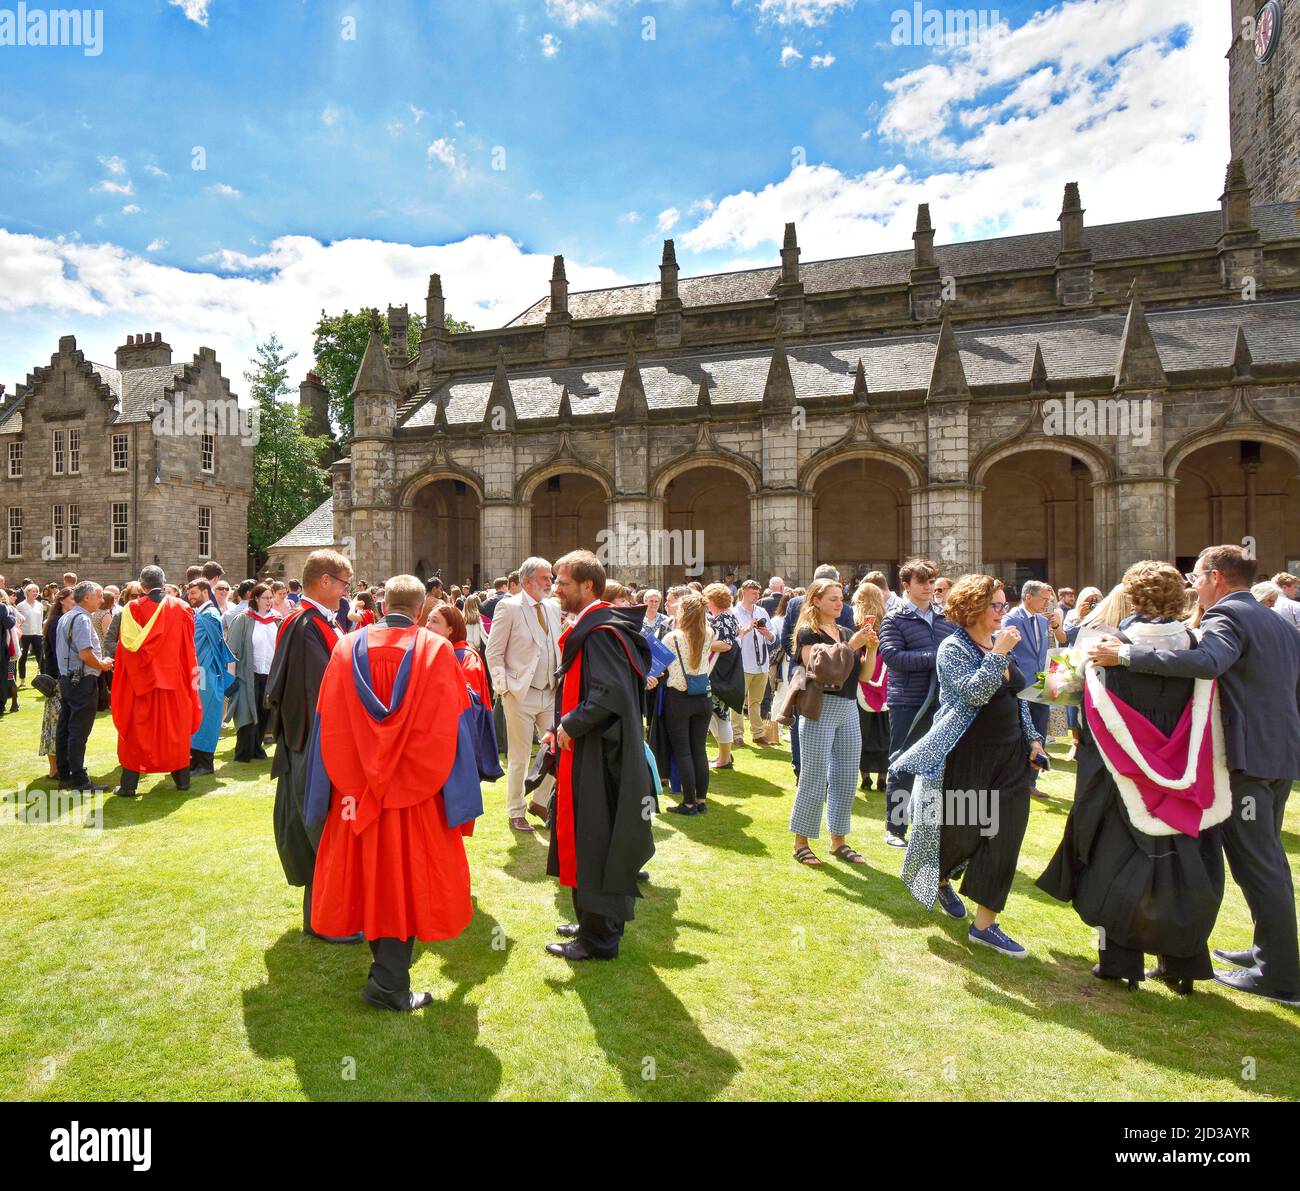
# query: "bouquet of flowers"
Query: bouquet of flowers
{"points": [[1061, 684]]}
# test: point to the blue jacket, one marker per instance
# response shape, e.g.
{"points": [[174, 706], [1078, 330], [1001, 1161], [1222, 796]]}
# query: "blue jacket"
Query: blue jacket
{"points": [[1029, 659], [908, 646]]}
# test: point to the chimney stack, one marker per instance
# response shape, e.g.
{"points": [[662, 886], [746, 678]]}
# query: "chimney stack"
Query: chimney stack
{"points": [[143, 351]]}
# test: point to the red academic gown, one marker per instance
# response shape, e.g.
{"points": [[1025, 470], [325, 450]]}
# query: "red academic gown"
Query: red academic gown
{"points": [[156, 704], [388, 864], [475, 672]]}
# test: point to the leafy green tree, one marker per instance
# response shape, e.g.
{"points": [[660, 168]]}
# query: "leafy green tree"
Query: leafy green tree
{"points": [[340, 344], [288, 481]]}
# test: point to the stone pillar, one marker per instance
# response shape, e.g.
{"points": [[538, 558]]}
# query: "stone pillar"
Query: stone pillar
{"points": [[780, 535]]}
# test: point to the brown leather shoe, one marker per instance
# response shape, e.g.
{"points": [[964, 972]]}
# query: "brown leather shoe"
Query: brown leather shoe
{"points": [[537, 810], [520, 824]]}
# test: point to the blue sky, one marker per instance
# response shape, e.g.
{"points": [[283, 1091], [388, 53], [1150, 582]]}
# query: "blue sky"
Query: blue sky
{"points": [[350, 148]]}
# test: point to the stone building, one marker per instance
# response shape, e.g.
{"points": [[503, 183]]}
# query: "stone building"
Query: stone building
{"points": [[104, 470], [1059, 403]]}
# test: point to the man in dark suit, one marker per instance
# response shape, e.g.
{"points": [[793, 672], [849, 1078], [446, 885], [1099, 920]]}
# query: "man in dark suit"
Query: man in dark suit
{"points": [[1255, 655], [1039, 626], [776, 589]]}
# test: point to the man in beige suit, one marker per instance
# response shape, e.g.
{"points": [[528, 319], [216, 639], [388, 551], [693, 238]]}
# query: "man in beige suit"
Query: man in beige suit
{"points": [[522, 656]]}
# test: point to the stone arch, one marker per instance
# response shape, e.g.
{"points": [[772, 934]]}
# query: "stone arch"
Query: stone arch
{"points": [[910, 465], [528, 483], [1080, 448], [439, 524], [1227, 492], [878, 488], [447, 471], [706, 458], [1277, 436]]}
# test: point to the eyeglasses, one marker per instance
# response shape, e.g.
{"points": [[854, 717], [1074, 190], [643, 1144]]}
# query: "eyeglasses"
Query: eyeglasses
{"points": [[1193, 578], [1001, 606], [336, 579]]}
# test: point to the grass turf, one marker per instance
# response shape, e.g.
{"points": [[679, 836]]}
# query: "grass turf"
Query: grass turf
{"points": [[161, 958]]}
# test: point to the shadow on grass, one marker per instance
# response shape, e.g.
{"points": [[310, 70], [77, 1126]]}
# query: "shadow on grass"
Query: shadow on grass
{"points": [[310, 1010], [1138, 1023], [644, 1029]]}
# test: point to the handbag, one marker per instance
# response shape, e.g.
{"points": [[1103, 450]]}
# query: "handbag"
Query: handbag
{"points": [[45, 684], [696, 684], [727, 678]]}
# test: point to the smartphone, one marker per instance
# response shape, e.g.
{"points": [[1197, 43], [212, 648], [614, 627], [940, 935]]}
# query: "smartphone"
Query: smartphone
{"points": [[1041, 761]]}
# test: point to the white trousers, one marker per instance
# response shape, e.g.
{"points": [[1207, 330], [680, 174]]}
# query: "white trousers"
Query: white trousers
{"points": [[527, 721]]}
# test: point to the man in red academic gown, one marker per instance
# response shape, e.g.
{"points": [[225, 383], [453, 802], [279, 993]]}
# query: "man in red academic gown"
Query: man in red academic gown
{"points": [[392, 773], [156, 704], [605, 797]]}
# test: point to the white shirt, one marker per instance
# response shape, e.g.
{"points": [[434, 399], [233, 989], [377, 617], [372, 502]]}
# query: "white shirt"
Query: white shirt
{"points": [[264, 645], [1288, 610], [676, 641], [753, 645], [30, 617]]}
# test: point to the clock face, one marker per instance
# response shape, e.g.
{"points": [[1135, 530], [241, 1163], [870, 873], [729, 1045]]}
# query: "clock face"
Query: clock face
{"points": [[1266, 30]]}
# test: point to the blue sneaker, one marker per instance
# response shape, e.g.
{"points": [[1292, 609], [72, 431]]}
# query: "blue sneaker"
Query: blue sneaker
{"points": [[993, 936], [952, 904]]}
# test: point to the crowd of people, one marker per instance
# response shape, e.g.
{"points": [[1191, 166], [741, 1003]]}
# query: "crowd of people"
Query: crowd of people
{"points": [[388, 706]]}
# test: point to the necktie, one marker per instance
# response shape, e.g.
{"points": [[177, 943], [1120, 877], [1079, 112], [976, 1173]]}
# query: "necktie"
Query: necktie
{"points": [[541, 619]]}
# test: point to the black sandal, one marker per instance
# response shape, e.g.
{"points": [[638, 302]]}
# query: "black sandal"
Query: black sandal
{"points": [[848, 855], [806, 855]]}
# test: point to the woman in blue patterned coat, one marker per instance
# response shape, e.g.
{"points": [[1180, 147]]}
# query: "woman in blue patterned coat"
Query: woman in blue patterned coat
{"points": [[970, 806]]}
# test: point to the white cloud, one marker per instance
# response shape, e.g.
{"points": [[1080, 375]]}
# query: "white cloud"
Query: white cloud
{"points": [[156, 245], [821, 61], [156, 172], [417, 114], [114, 165], [550, 45], [108, 186], [330, 116], [130, 209], [194, 10], [395, 129], [630, 217], [1085, 95], [444, 151], [225, 191], [535, 197], [574, 12], [668, 219], [99, 292], [789, 54], [801, 12]]}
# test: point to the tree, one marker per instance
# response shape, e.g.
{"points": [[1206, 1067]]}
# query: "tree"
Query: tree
{"points": [[340, 344], [288, 481]]}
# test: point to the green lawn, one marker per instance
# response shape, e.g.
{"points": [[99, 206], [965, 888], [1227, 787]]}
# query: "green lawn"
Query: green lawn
{"points": [[160, 958]]}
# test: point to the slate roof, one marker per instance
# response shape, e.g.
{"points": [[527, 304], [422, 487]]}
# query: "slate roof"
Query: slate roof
{"points": [[1036, 250], [1194, 338], [316, 529], [136, 391]]}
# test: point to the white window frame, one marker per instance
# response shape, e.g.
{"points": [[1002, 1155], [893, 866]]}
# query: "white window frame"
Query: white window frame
{"points": [[59, 530], [74, 531], [58, 441], [14, 461], [205, 532], [74, 452], [14, 531], [125, 440], [124, 525], [208, 454]]}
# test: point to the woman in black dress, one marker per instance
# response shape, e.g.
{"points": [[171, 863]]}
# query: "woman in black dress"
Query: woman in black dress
{"points": [[1147, 888]]}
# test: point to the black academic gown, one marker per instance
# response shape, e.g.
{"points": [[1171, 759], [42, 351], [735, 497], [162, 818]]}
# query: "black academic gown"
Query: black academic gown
{"points": [[1151, 895], [611, 778], [292, 687]]}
